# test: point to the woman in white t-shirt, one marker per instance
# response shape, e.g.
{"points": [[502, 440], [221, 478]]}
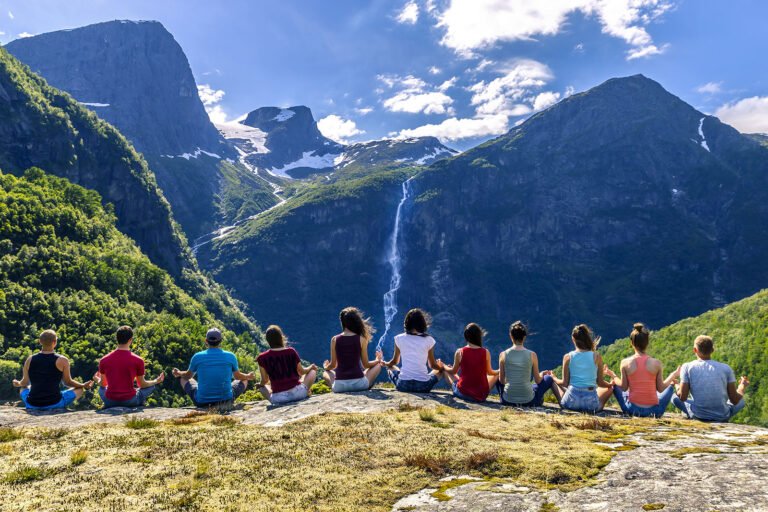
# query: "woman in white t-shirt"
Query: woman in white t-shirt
{"points": [[416, 348]]}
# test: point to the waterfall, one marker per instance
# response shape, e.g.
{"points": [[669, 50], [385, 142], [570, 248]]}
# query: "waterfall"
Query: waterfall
{"points": [[395, 263]]}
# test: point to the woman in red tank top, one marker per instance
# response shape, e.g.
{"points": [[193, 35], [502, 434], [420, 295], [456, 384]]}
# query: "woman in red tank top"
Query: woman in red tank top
{"points": [[472, 363], [641, 391]]}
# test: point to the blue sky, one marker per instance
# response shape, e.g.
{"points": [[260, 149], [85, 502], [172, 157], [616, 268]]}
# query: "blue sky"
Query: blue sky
{"points": [[463, 70]]}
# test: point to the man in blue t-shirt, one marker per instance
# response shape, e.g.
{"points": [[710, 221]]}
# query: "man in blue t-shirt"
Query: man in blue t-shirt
{"points": [[214, 368], [713, 385]]}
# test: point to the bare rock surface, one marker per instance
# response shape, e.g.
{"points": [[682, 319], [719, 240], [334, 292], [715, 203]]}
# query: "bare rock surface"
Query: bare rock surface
{"points": [[716, 469]]}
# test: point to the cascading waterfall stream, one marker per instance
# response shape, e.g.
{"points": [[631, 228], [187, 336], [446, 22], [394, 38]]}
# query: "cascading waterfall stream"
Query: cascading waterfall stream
{"points": [[395, 262]]}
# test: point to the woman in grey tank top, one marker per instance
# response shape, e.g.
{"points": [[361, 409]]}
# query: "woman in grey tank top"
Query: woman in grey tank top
{"points": [[517, 365]]}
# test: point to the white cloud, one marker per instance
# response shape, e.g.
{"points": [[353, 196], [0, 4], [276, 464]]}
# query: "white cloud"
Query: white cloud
{"points": [[447, 84], [211, 98], [748, 115], [338, 129], [545, 100], [484, 64], [579, 48], [710, 88], [409, 14], [434, 70], [24, 35], [364, 111], [569, 90], [472, 25], [415, 95], [454, 129], [503, 95]]}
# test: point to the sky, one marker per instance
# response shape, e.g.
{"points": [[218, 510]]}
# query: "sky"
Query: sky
{"points": [[461, 70]]}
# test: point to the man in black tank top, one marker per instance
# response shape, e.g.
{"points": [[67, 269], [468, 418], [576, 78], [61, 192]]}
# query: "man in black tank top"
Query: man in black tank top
{"points": [[43, 373]]}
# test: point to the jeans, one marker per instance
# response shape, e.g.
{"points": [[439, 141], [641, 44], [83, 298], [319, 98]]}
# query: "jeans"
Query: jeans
{"points": [[459, 394], [350, 385], [412, 386], [539, 390], [67, 397], [137, 401], [656, 411], [581, 399], [687, 408], [294, 394], [238, 388]]}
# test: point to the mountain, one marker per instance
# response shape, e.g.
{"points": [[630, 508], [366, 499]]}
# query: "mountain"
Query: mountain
{"points": [[285, 143], [619, 204], [740, 331], [136, 76], [65, 266]]}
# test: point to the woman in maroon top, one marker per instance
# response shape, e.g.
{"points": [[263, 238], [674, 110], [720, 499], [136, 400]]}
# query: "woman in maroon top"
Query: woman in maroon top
{"points": [[473, 365], [283, 378], [349, 368]]}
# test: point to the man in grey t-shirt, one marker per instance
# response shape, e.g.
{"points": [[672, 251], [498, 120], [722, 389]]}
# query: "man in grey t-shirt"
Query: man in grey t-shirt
{"points": [[713, 385]]}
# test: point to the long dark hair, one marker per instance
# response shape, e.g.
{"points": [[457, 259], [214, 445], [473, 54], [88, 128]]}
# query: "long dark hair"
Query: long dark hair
{"points": [[639, 337], [353, 320], [275, 337], [417, 321], [518, 331], [473, 334], [582, 336]]}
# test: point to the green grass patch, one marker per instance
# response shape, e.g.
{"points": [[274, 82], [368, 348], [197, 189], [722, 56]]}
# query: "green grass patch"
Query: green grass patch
{"points": [[25, 474], [654, 506], [141, 423], [79, 457], [441, 495], [690, 450], [8, 434]]}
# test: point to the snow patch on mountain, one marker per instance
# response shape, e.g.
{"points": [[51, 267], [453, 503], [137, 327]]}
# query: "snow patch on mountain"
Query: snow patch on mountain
{"points": [[197, 153], [89, 104], [308, 159], [701, 134], [284, 115], [253, 137]]}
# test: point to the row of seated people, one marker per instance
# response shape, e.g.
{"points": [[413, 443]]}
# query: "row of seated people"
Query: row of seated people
{"points": [[639, 388]]}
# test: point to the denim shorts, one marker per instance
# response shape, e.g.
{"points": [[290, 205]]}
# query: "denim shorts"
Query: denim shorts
{"points": [[289, 395], [351, 385], [412, 386], [238, 388], [459, 394], [580, 399], [67, 397]]}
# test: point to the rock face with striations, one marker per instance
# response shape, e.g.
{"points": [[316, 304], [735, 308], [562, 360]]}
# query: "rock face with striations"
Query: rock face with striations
{"points": [[136, 76], [619, 204]]}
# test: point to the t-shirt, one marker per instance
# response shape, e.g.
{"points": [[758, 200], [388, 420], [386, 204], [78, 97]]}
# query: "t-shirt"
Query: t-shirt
{"points": [[121, 367], [282, 367], [414, 354], [708, 381], [214, 368]]}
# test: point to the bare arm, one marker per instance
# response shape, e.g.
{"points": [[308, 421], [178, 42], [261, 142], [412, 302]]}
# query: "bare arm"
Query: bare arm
{"points": [[566, 373], [330, 365], [243, 376], [364, 355], [187, 374], [303, 370], [600, 372], [395, 358], [736, 395], [143, 383], [264, 376], [685, 388], [535, 362], [671, 378], [502, 374], [62, 363], [24, 382], [454, 368], [489, 367]]}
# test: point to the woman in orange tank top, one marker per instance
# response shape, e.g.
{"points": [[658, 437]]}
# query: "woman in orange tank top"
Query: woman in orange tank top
{"points": [[641, 391]]}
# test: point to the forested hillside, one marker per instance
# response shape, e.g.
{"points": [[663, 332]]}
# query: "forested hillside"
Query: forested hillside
{"points": [[64, 265], [740, 331]]}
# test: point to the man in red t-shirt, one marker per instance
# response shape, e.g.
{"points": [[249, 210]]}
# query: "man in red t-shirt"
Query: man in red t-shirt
{"points": [[118, 371]]}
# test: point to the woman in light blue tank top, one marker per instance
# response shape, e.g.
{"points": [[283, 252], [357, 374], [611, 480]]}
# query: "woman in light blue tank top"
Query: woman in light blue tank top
{"points": [[582, 387]]}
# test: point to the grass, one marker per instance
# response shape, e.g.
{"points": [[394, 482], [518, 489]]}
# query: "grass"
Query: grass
{"points": [[690, 450], [212, 461], [654, 506], [8, 434], [141, 423], [79, 457], [441, 495]]}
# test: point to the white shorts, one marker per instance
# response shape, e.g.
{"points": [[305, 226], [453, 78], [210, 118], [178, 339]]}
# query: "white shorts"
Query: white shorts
{"points": [[289, 395], [351, 385]]}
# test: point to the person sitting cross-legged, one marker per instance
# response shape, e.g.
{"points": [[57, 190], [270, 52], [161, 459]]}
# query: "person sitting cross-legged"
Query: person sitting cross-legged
{"points": [[283, 378], [43, 374], [349, 368], [417, 350], [119, 370], [214, 368], [516, 367], [713, 385], [641, 391], [472, 364]]}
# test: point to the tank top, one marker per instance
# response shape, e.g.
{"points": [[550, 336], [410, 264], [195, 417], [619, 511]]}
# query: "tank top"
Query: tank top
{"points": [[518, 365], [348, 363], [583, 369], [45, 380], [473, 381], [642, 384]]}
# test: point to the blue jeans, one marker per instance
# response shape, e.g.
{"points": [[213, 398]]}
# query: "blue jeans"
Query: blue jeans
{"points": [[539, 390], [656, 411], [67, 397], [459, 394], [238, 388], [581, 399], [687, 408], [411, 386], [137, 401]]}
